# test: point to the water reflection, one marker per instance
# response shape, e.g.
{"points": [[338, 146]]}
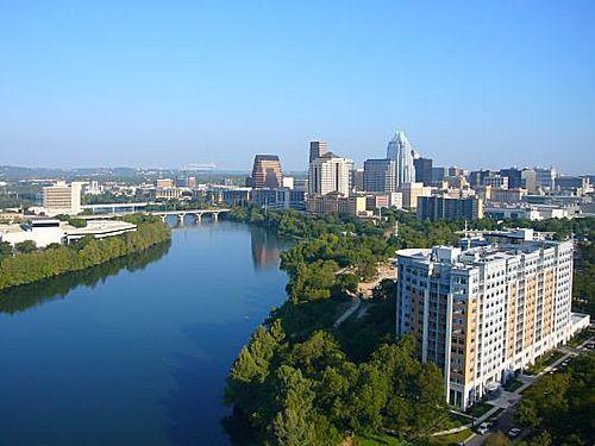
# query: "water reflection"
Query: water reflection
{"points": [[21, 298], [266, 248]]}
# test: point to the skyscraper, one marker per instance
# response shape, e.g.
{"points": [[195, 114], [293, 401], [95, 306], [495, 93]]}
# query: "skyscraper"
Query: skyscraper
{"points": [[423, 170], [317, 149], [399, 149], [379, 175], [329, 173], [266, 172]]}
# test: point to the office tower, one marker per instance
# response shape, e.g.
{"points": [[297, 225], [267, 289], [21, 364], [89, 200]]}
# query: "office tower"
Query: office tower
{"points": [[476, 178], [266, 172], [329, 173], [317, 149], [357, 179], [62, 199], [529, 180], [495, 180], [411, 192], [443, 208], [423, 170], [401, 152], [487, 311], [438, 174], [515, 180], [454, 171], [546, 178], [379, 175]]}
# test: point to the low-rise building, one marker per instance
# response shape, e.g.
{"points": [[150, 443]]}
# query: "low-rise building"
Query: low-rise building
{"points": [[42, 232], [337, 204], [98, 229]]}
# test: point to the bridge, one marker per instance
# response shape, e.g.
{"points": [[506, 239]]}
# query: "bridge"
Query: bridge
{"points": [[120, 209], [115, 208], [197, 213]]}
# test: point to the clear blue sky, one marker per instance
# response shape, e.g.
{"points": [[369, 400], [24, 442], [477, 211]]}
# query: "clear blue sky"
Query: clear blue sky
{"points": [[474, 83]]}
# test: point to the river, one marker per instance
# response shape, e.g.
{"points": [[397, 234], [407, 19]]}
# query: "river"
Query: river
{"points": [[136, 351]]}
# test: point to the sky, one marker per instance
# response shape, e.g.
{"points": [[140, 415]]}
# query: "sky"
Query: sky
{"points": [[162, 84]]}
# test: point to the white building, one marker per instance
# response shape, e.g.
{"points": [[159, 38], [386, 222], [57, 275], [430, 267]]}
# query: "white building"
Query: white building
{"points": [[329, 173], [482, 312], [399, 149], [42, 232], [62, 199]]}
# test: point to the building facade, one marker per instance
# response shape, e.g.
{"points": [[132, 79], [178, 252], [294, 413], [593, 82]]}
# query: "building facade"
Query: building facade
{"points": [[329, 173], [379, 175], [337, 204], [266, 172], [399, 149], [411, 192], [62, 198], [437, 208], [488, 309], [317, 149], [423, 171]]}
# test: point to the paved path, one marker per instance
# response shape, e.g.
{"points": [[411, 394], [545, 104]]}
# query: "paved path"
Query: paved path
{"points": [[355, 303]]}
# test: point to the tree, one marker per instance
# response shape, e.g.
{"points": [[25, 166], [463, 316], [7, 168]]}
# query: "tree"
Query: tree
{"points": [[25, 247], [497, 439], [5, 250]]}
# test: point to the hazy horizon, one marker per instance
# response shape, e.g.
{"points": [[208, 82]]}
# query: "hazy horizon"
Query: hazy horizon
{"points": [[473, 85]]}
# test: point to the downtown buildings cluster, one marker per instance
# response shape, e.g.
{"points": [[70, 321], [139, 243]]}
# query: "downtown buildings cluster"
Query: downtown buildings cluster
{"points": [[406, 180]]}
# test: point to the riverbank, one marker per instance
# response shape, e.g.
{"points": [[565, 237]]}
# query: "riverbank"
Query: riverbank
{"points": [[306, 379], [36, 266]]}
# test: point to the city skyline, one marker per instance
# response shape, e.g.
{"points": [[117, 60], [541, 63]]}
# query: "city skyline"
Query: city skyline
{"points": [[487, 85]]}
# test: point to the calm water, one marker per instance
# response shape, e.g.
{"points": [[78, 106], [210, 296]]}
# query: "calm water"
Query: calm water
{"points": [[119, 356]]}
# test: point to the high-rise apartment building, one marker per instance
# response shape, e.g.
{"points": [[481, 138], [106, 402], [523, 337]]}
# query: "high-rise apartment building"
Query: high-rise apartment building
{"points": [[399, 149], [317, 149], [379, 175], [487, 309], [436, 208], [423, 170], [329, 173], [62, 198], [266, 172]]}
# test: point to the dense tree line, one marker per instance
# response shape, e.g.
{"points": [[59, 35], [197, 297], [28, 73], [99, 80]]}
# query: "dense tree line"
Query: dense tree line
{"points": [[559, 409], [15, 300], [55, 260], [310, 393], [302, 381]]}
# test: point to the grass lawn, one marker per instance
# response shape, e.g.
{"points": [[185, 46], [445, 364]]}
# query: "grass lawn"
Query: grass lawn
{"points": [[543, 362], [452, 439], [376, 440], [478, 409], [579, 338]]}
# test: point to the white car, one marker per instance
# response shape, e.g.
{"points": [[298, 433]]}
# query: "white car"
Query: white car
{"points": [[514, 432], [483, 428]]}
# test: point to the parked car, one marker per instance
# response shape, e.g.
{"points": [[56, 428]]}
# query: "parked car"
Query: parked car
{"points": [[483, 428], [514, 432]]}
